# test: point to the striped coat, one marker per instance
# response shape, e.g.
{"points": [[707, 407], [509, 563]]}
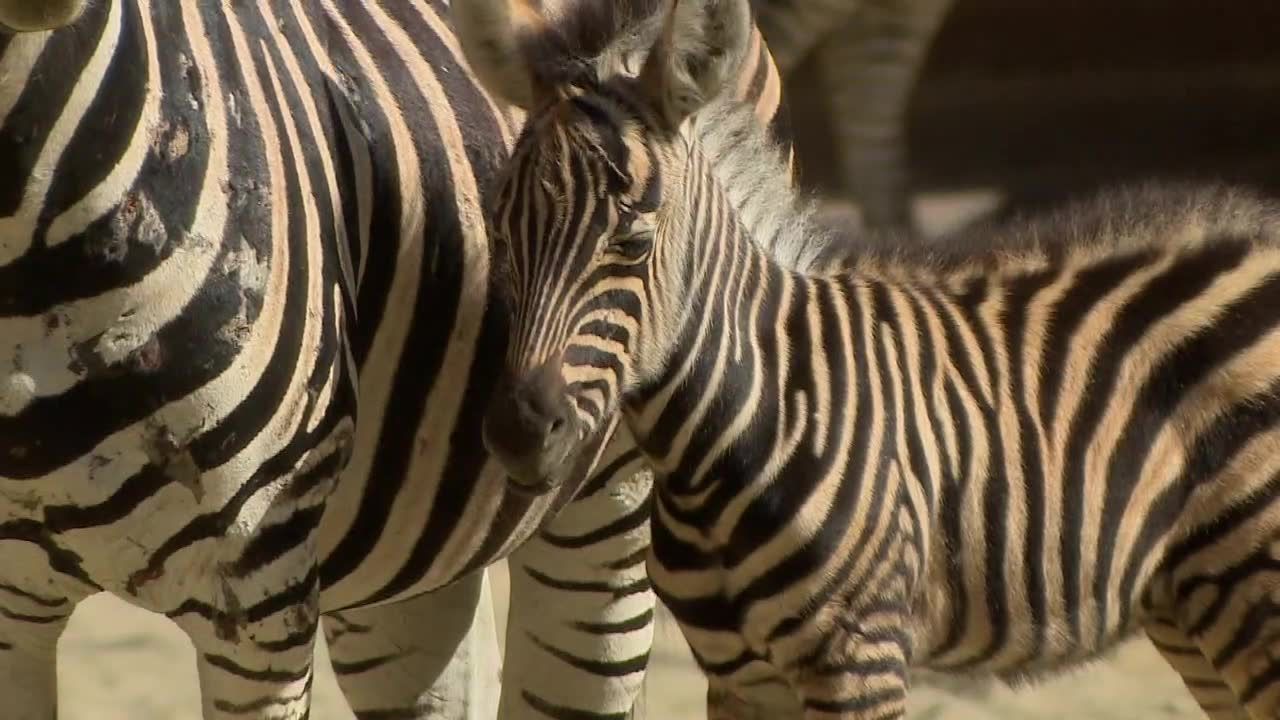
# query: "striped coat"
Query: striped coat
{"points": [[1001, 454], [244, 345]]}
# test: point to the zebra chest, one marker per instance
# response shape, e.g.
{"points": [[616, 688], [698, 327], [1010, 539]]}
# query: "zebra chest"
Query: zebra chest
{"points": [[691, 576], [714, 586]]}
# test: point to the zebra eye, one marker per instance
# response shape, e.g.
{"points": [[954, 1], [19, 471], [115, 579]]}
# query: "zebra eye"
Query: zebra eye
{"points": [[633, 246]]}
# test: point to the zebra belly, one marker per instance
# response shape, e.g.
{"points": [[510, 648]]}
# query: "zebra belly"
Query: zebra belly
{"points": [[961, 621]]}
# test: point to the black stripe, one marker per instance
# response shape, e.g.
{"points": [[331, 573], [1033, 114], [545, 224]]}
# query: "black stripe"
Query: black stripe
{"points": [[600, 480], [633, 520], [639, 622], [952, 522], [60, 559], [558, 712], [229, 666], [599, 668], [47, 602], [774, 506], [256, 707], [363, 666], [1019, 296], [43, 99], [421, 709], [591, 586], [109, 120], [1086, 290], [273, 541]]}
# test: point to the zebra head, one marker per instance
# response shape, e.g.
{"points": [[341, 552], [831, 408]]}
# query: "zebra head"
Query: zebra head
{"points": [[37, 15], [587, 219]]}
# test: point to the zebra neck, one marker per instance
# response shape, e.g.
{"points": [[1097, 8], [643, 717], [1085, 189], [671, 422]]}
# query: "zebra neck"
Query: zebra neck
{"points": [[714, 397], [804, 378]]}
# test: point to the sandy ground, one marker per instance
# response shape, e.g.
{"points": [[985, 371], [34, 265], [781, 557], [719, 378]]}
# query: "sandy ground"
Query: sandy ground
{"points": [[119, 662]]}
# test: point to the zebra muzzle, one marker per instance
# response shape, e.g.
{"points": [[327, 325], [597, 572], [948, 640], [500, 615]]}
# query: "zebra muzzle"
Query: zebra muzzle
{"points": [[531, 429]]}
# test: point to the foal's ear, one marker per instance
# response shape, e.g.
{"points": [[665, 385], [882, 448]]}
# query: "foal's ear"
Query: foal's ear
{"points": [[696, 57], [497, 37]]}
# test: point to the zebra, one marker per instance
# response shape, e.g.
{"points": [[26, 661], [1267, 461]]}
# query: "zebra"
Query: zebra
{"points": [[1000, 454], [223, 226], [869, 55]]}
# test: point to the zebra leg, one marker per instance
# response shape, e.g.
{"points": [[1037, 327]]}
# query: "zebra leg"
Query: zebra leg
{"points": [[857, 674], [388, 668], [793, 28], [1198, 674], [30, 625], [254, 635], [581, 621], [258, 669], [1235, 622], [869, 68]]}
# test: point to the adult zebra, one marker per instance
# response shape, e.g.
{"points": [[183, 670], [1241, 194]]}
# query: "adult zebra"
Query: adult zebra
{"points": [[869, 54], [222, 226]]}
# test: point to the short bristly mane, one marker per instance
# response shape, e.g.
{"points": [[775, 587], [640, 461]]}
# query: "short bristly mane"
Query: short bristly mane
{"points": [[752, 172], [1127, 218], [781, 219]]}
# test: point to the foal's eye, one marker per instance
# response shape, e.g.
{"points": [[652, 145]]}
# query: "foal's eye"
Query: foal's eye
{"points": [[630, 245]]}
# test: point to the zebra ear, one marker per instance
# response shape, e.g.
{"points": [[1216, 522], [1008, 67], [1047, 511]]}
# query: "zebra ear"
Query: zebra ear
{"points": [[697, 55], [495, 35]]}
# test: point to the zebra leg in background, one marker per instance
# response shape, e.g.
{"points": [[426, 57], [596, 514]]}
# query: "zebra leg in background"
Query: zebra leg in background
{"points": [[869, 68], [431, 656], [792, 28], [1198, 674], [581, 620], [30, 625]]}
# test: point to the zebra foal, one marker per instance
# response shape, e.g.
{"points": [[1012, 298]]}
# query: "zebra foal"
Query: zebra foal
{"points": [[999, 455]]}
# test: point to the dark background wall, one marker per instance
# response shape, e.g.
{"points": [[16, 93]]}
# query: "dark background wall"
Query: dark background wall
{"points": [[1043, 98]]}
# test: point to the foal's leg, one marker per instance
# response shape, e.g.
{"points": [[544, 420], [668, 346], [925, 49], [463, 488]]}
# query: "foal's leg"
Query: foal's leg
{"points": [[1206, 685], [1237, 628], [863, 676]]}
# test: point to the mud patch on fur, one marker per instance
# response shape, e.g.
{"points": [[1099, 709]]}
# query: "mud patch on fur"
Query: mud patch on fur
{"points": [[174, 459], [136, 220]]}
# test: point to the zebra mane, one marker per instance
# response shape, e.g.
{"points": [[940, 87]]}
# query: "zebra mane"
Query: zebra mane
{"points": [[752, 172]]}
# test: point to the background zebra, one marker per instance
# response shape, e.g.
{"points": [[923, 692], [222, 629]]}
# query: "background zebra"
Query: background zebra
{"points": [[866, 58], [999, 454], [220, 225]]}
